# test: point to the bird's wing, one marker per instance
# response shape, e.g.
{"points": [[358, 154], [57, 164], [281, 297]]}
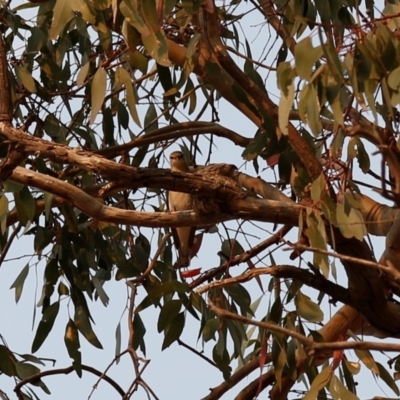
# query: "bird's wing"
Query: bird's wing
{"points": [[183, 236]]}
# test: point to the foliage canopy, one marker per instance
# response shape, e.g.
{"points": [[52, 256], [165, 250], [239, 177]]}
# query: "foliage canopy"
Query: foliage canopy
{"points": [[92, 95]]}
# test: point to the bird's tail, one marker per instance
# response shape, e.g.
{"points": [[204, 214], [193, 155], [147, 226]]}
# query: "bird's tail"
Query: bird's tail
{"points": [[185, 246]]}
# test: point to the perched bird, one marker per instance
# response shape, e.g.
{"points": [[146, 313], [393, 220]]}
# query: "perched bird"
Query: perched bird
{"points": [[177, 201]]}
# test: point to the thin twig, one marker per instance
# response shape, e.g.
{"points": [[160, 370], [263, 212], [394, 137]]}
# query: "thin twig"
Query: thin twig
{"points": [[384, 268], [221, 313], [138, 381], [244, 257], [9, 242], [232, 50], [197, 353], [105, 372], [65, 371], [316, 281]]}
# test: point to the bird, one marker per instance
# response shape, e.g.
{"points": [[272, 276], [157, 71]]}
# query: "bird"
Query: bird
{"points": [[178, 201]]}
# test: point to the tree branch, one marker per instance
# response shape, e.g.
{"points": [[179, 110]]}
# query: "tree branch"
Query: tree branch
{"points": [[316, 281], [242, 373], [249, 208], [175, 131], [276, 238], [257, 386], [65, 371]]}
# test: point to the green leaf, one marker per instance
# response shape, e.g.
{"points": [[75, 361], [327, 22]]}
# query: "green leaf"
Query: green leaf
{"points": [[306, 55], [362, 157], [241, 297], [88, 14], [25, 77], [63, 289], [169, 311], [238, 337], [279, 359], [309, 108], [210, 328], [339, 391], [71, 340], [317, 236], [221, 357], [7, 361], [25, 205], [98, 92], [84, 326], [285, 106], [319, 382], [25, 370], [130, 11], [62, 14], [122, 77], [53, 129], [307, 309], [18, 284], [167, 288], [118, 341], [387, 378], [37, 39], [101, 4], [232, 248], [80, 79], [30, 357], [352, 224], [332, 59], [100, 291], [45, 325], [156, 45], [174, 330], [43, 238], [150, 119], [318, 187], [394, 79], [353, 367], [256, 146], [366, 358], [140, 331], [150, 15], [3, 212]]}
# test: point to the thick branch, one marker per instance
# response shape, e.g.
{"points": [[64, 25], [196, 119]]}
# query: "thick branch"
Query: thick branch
{"points": [[243, 372], [211, 29], [257, 386], [248, 208]]}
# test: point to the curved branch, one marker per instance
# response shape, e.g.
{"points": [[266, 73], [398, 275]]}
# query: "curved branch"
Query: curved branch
{"points": [[271, 326], [207, 276], [257, 386], [316, 281], [184, 129], [211, 31], [243, 372], [249, 208], [66, 371]]}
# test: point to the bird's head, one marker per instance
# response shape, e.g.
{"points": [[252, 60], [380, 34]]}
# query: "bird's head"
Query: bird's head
{"points": [[178, 162]]}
